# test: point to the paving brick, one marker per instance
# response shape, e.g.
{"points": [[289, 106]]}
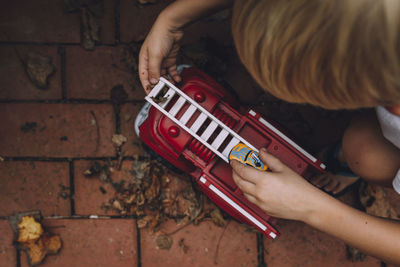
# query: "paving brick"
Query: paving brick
{"points": [[38, 21], [301, 245], [56, 130], [197, 246], [107, 23], [14, 81], [34, 185], [46, 21], [91, 193], [7, 250], [94, 242], [92, 74], [128, 114]]}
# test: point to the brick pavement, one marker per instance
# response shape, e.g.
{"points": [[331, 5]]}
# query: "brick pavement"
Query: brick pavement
{"points": [[49, 137]]}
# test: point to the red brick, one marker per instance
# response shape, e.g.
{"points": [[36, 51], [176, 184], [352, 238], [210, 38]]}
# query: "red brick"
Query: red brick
{"points": [[107, 23], [7, 250], [128, 115], [301, 245], [14, 81], [88, 195], [46, 21], [34, 186], [38, 21], [237, 247], [92, 74], [95, 242], [63, 130]]}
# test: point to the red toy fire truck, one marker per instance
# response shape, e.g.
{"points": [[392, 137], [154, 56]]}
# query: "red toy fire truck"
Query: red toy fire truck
{"points": [[196, 127]]}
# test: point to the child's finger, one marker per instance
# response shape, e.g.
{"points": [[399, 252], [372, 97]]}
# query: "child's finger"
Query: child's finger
{"points": [[173, 72], [244, 185], [143, 71], [245, 172], [155, 60], [273, 163], [251, 198]]}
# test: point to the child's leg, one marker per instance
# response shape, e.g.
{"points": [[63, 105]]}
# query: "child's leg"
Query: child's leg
{"points": [[368, 154]]}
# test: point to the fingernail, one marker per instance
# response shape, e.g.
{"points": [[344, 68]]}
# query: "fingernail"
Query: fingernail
{"points": [[153, 80], [263, 149]]}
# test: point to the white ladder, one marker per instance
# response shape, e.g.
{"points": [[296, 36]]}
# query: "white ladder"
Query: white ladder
{"points": [[164, 91]]}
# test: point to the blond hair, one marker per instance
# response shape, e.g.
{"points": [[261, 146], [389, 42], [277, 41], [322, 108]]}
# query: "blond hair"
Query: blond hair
{"points": [[333, 54]]}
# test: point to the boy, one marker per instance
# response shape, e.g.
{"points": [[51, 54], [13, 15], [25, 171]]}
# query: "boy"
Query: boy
{"points": [[333, 54]]}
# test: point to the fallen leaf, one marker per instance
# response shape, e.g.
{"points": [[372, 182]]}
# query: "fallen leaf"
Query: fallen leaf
{"points": [[164, 242], [90, 29], [39, 68], [217, 218], [118, 140], [29, 229]]}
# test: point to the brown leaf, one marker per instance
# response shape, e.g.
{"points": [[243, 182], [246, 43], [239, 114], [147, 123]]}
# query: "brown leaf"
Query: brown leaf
{"points": [[36, 252], [118, 140], [217, 218], [29, 230], [39, 68], [375, 202], [164, 242], [52, 243], [90, 29]]}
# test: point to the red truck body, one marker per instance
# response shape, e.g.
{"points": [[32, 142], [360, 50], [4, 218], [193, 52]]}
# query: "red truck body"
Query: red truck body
{"points": [[213, 174]]}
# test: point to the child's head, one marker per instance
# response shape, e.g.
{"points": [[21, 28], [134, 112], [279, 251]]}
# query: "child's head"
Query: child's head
{"points": [[334, 54]]}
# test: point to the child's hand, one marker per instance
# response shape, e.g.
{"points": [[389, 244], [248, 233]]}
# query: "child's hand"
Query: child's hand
{"points": [[280, 192], [158, 54]]}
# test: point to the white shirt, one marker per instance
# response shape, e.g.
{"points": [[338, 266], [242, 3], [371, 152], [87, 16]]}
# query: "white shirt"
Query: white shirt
{"points": [[390, 125]]}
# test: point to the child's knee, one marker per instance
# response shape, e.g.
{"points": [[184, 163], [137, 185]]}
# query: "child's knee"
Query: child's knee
{"points": [[368, 153]]}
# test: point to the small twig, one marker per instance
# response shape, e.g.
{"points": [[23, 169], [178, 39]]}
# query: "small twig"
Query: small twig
{"points": [[120, 159], [219, 242], [180, 228], [97, 130]]}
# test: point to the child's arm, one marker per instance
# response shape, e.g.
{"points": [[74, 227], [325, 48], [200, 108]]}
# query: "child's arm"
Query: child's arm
{"points": [[283, 193], [160, 48]]}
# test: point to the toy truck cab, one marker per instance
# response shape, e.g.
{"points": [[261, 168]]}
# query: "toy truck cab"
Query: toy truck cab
{"points": [[195, 129]]}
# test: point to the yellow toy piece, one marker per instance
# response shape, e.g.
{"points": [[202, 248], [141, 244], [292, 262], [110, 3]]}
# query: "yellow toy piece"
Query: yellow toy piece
{"points": [[245, 155]]}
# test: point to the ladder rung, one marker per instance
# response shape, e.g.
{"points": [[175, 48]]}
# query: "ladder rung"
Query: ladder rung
{"points": [[209, 130], [169, 95], [154, 92], [177, 106], [199, 121], [229, 147], [220, 139], [188, 114]]}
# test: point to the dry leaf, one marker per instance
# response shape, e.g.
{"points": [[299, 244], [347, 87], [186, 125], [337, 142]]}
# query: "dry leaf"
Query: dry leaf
{"points": [[217, 218], [39, 68], [118, 140], [375, 202], [90, 29], [164, 242], [29, 230], [32, 238]]}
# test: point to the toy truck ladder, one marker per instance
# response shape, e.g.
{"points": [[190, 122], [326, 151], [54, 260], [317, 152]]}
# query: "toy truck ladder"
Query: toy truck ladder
{"points": [[164, 91]]}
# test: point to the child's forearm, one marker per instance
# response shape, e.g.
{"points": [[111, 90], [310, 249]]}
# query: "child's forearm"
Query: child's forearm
{"points": [[182, 12], [376, 236]]}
